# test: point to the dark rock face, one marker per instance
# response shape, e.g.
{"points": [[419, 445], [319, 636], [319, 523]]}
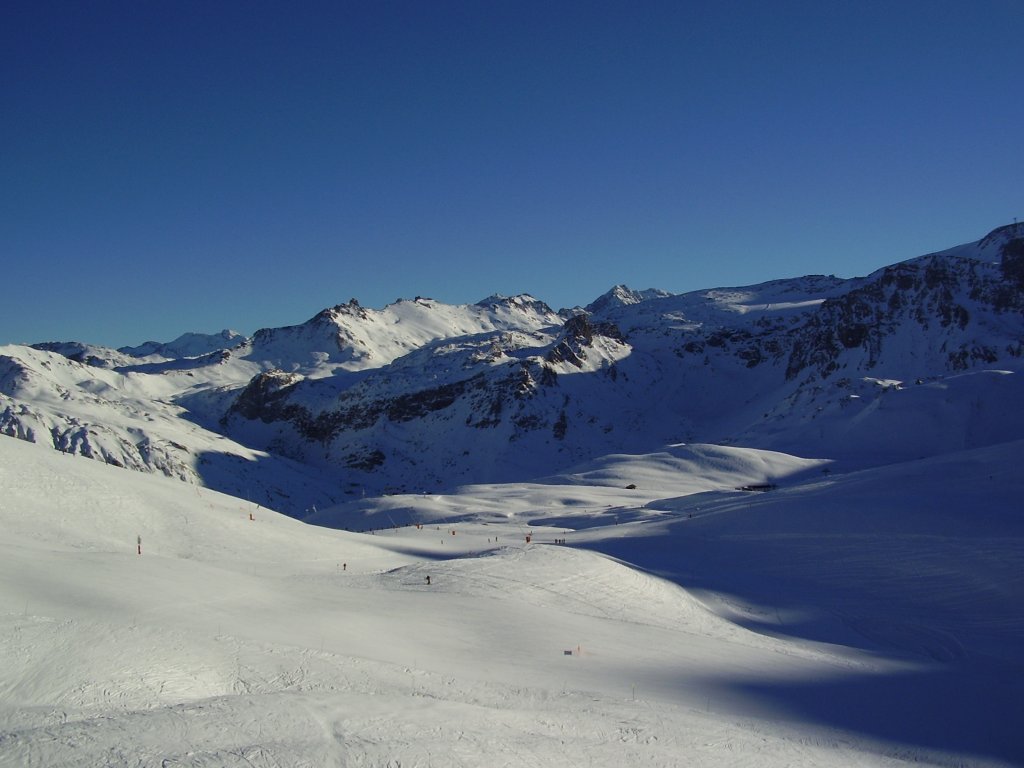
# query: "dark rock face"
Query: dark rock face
{"points": [[752, 347], [561, 426], [367, 460], [930, 293], [1012, 268], [264, 396], [416, 405], [267, 398]]}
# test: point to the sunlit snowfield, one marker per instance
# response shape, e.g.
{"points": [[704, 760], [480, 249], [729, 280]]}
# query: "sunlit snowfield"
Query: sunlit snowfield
{"points": [[873, 618]]}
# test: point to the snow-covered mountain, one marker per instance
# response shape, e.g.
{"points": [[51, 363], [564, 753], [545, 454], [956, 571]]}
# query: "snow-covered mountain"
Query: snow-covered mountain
{"points": [[187, 345], [768, 525], [916, 359], [621, 296], [807, 365]]}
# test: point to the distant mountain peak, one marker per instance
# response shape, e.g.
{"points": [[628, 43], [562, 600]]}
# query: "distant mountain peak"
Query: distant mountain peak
{"points": [[522, 301], [187, 345], [624, 296], [330, 314]]}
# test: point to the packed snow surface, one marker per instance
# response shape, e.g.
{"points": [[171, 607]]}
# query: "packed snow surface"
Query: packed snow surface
{"points": [[865, 619]]}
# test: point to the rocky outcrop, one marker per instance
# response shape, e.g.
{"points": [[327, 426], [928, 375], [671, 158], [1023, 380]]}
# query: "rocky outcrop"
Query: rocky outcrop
{"points": [[577, 336], [265, 396], [917, 313]]}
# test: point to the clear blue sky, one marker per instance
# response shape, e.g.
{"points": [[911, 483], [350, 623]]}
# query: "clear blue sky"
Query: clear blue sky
{"points": [[171, 166]]}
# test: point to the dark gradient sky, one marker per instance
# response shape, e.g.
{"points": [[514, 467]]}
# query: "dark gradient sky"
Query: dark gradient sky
{"points": [[171, 166]]}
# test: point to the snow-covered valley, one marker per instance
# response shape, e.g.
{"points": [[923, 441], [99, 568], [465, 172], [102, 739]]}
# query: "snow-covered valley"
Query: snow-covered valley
{"points": [[868, 619]]}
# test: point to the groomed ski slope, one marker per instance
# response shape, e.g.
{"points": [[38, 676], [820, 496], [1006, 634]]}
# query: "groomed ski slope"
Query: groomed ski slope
{"points": [[870, 619]]}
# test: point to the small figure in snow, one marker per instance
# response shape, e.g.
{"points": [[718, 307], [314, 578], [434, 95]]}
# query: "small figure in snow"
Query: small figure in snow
{"points": [[428, 581]]}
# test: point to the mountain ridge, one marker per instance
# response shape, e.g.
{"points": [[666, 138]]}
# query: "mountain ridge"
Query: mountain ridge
{"points": [[422, 395]]}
